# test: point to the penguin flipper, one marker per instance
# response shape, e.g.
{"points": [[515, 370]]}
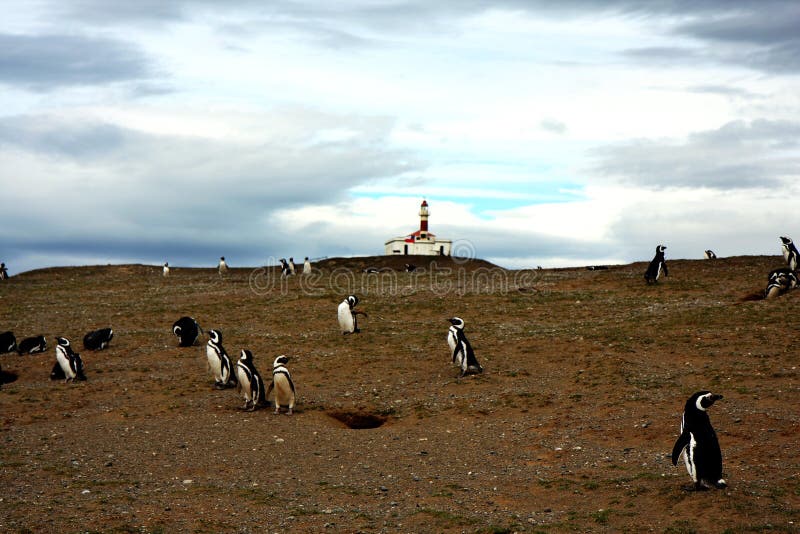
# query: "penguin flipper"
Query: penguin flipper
{"points": [[680, 444]]}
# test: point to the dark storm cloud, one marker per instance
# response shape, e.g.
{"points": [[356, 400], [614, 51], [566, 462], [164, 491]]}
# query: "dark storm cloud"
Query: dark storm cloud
{"points": [[738, 155], [46, 62]]}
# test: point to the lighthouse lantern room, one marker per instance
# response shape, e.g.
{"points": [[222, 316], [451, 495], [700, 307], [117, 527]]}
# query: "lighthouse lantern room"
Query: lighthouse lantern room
{"points": [[421, 242]]}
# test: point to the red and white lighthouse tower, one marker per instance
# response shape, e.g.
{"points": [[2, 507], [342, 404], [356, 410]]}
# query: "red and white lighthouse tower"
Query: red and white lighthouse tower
{"points": [[423, 217], [421, 242]]}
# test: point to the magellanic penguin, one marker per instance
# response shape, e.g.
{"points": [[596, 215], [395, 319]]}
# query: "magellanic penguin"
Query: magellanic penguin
{"points": [[790, 253], [218, 361], [461, 349], [249, 382], [32, 345], [780, 281], [348, 315], [165, 270], [98, 339], [657, 265], [69, 364], [699, 444], [187, 330], [8, 342], [306, 266], [709, 254], [292, 268], [222, 267], [282, 384], [284, 268], [3, 272]]}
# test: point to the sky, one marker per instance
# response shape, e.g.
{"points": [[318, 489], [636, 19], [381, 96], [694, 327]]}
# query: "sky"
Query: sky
{"points": [[541, 133]]}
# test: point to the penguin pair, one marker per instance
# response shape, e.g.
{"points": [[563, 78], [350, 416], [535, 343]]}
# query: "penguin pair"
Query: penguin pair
{"points": [[780, 281], [461, 349], [218, 361], [698, 443], [98, 339], [790, 253], [657, 265], [32, 345], [282, 384], [187, 330], [348, 315], [69, 364]]}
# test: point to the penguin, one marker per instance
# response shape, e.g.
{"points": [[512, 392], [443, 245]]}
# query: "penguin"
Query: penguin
{"points": [[98, 339], [69, 364], [282, 384], [249, 382], [32, 345], [292, 270], [657, 265], [790, 253], [165, 271], [3, 272], [779, 281], [306, 266], [410, 268], [348, 315], [8, 343], [461, 349], [284, 268], [187, 330], [371, 270], [698, 443], [218, 361], [222, 267], [710, 255]]}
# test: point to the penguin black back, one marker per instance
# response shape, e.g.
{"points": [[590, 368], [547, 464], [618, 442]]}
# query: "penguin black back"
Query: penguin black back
{"points": [[32, 345], [187, 331], [98, 339], [8, 342], [698, 442]]}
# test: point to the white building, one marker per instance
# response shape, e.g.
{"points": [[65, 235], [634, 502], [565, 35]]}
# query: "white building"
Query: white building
{"points": [[421, 242]]}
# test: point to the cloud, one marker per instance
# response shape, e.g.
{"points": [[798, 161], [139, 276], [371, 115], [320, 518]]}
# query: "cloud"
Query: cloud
{"points": [[46, 62], [738, 155]]}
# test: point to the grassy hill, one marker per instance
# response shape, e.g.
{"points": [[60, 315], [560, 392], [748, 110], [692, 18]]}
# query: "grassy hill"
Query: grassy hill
{"points": [[569, 428]]}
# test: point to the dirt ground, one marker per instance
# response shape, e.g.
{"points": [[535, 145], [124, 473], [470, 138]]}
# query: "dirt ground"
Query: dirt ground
{"points": [[569, 429]]}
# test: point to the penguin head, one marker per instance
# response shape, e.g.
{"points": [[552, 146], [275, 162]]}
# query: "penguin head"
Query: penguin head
{"points": [[458, 322], [246, 356], [166, 264], [280, 360], [702, 400], [215, 336], [306, 258], [352, 301], [661, 248], [786, 240], [64, 342], [291, 259], [222, 258]]}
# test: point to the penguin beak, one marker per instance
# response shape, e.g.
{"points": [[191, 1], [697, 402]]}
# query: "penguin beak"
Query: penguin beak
{"points": [[715, 398]]}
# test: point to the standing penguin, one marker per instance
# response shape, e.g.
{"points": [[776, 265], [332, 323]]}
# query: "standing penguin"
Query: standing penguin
{"points": [[657, 265], [187, 330], [348, 315], [32, 345], [699, 444], [69, 364], [218, 361], [165, 270], [222, 267], [8, 342], [282, 384], [3, 272], [790, 253], [284, 268], [306, 266], [292, 269], [461, 349], [98, 339], [249, 382], [710, 255]]}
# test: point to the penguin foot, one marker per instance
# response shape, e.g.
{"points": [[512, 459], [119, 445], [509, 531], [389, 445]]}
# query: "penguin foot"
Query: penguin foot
{"points": [[289, 412], [699, 486], [720, 484]]}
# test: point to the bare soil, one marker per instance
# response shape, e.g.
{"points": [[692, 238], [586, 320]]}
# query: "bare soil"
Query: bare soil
{"points": [[568, 430]]}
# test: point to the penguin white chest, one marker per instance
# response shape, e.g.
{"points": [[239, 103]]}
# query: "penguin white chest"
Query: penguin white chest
{"points": [[688, 457], [214, 362], [346, 320], [64, 362]]}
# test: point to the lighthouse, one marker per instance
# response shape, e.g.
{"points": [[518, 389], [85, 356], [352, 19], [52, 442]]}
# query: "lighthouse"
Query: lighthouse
{"points": [[422, 242]]}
